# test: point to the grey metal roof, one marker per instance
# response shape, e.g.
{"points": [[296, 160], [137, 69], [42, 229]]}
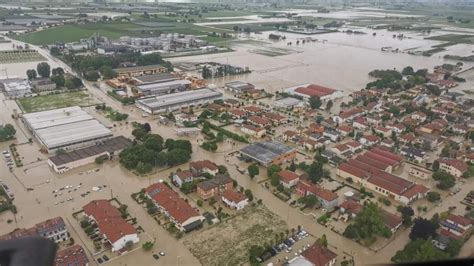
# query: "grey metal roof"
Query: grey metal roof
{"points": [[178, 98], [267, 151], [110, 145]]}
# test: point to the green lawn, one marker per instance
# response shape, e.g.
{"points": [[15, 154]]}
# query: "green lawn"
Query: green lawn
{"points": [[55, 101], [72, 33]]}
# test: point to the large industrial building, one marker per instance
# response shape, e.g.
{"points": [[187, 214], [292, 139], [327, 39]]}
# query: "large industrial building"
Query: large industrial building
{"points": [[66, 128], [163, 87], [175, 101], [268, 152]]}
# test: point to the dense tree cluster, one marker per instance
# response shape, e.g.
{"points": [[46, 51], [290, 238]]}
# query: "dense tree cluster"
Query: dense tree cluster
{"points": [[154, 151], [7, 132], [419, 250], [445, 180], [84, 63], [367, 224]]}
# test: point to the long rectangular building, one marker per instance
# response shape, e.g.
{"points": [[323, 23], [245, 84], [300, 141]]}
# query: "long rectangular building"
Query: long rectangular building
{"points": [[175, 101], [163, 87], [66, 128]]}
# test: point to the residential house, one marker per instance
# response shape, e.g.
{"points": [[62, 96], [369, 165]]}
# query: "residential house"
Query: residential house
{"points": [[214, 187], [457, 226], [110, 224], [252, 110], [348, 115], [168, 202], [332, 135], [360, 124], [316, 255], [53, 229], [385, 132], [275, 118], [179, 178], [344, 130], [288, 179], [73, 255], [256, 132], [234, 200], [237, 113], [259, 121], [369, 140], [328, 199], [452, 166], [413, 154], [205, 166]]}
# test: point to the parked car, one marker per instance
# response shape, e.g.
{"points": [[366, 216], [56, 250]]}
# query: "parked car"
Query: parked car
{"points": [[105, 258], [155, 256]]}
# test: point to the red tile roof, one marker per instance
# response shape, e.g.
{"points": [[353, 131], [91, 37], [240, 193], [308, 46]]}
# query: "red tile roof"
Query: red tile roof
{"points": [[458, 164], [363, 166], [204, 164], [351, 206], [459, 220], [274, 116], [315, 90], [109, 220], [345, 167], [252, 109], [390, 220], [381, 158], [74, 255], [234, 196], [371, 138], [350, 113], [259, 120], [322, 193], [177, 208], [416, 189], [184, 174], [373, 162], [237, 112], [390, 182], [384, 152], [318, 255], [253, 128], [287, 176]]}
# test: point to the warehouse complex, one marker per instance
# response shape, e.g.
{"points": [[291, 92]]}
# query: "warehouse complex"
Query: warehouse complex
{"points": [[66, 128], [175, 101]]}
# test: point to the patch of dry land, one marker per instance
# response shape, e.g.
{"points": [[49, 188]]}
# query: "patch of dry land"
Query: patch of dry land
{"points": [[227, 243]]}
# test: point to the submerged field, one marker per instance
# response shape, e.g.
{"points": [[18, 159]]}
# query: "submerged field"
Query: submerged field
{"points": [[228, 243], [55, 101]]}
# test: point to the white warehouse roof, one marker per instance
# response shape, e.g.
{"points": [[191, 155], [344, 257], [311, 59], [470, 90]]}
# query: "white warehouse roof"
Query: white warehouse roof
{"points": [[63, 127]]}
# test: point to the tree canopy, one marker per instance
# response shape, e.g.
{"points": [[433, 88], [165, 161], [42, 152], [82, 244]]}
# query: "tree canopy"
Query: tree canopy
{"points": [[419, 250]]}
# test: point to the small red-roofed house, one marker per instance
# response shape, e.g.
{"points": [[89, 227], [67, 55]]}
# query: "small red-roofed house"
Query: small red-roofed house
{"points": [[234, 200], [288, 178]]}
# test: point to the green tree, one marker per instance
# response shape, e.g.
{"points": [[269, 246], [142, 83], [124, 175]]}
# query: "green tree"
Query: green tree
{"points": [[58, 80], [315, 102], [153, 142], [310, 201], [454, 247], [91, 75], [43, 69], [54, 51], [419, 250], [408, 71], [31, 73], [422, 228], [248, 193], [322, 241], [433, 196], [253, 170], [435, 165], [139, 133], [107, 72], [148, 245]]}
